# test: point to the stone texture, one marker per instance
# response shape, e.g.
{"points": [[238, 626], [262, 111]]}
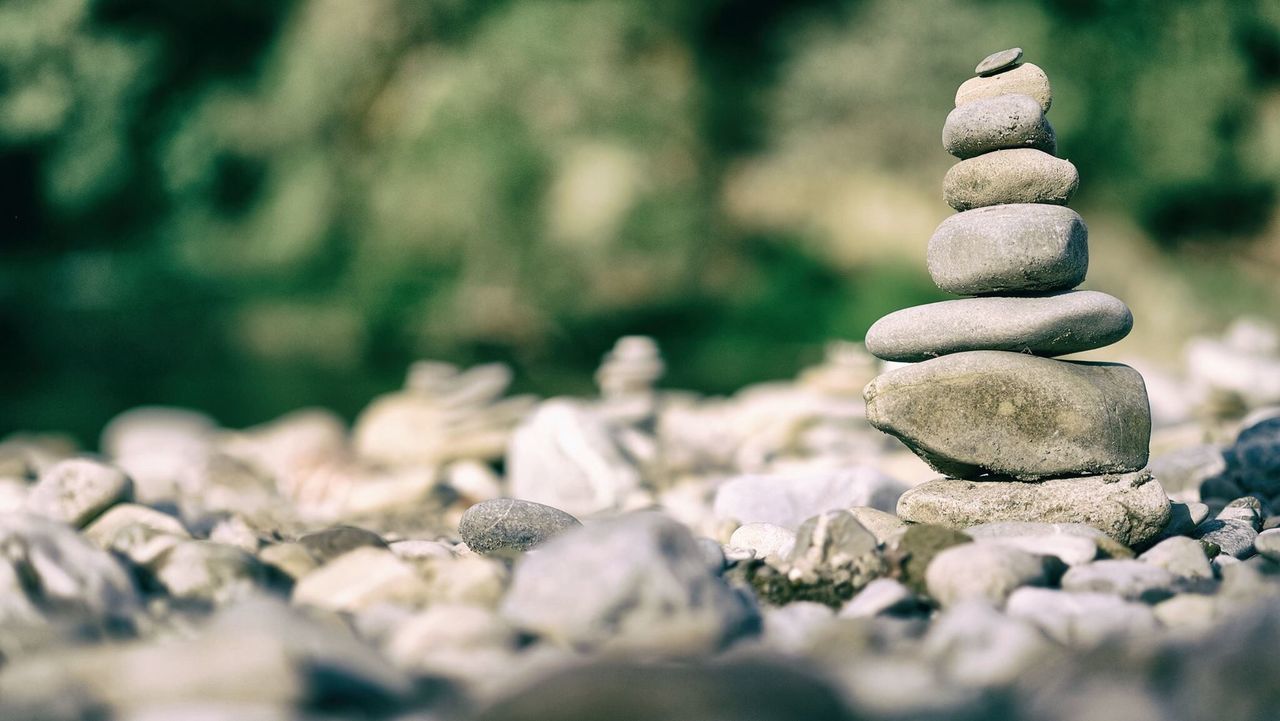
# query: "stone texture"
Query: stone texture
{"points": [[984, 571], [764, 540], [636, 582], [916, 549], [1132, 580], [1047, 326], [1235, 527], [1267, 544], [1004, 121], [788, 500], [1108, 546], [998, 61], [506, 526], [1071, 550], [1131, 508], [1014, 415], [1009, 249], [330, 543], [76, 490], [1019, 175], [1080, 619], [1025, 79], [887, 527], [881, 596], [359, 579], [208, 571], [1180, 556]]}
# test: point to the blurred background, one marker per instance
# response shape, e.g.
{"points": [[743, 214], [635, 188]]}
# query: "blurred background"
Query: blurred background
{"points": [[247, 207]]}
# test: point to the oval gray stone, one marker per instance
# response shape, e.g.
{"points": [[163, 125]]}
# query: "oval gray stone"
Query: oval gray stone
{"points": [[1020, 175], [995, 62], [1025, 79], [506, 526], [1129, 579], [330, 543], [1047, 326], [1010, 249], [983, 571], [1131, 508], [77, 490], [1014, 415], [1005, 121]]}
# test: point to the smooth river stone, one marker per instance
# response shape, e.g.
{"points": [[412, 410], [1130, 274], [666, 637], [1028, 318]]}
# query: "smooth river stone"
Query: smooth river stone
{"points": [[1016, 416], [1052, 325], [1020, 175], [1005, 121], [998, 61], [1010, 249], [1132, 508], [1025, 79]]}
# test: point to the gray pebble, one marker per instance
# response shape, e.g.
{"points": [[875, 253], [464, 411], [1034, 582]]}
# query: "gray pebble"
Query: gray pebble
{"points": [[1020, 175], [1005, 121], [1016, 416], [1048, 326], [1016, 248], [1180, 556], [330, 543], [1267, 544], [985, 571], [77, 490], [507, 526], [1081, 619], [1025, 79], [1131, 580], [998, 61], [713, 554]]}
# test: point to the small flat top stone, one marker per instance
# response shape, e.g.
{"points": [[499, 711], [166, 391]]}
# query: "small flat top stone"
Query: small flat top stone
{"points": [[997, 62]]}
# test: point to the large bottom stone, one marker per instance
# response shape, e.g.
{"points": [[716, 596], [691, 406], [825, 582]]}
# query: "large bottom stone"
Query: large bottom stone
{"points": [[1013, 415], [1132, 508]]}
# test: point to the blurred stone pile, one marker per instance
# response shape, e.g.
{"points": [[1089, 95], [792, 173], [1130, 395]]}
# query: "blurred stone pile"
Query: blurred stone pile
{"points": [[462, 553]]}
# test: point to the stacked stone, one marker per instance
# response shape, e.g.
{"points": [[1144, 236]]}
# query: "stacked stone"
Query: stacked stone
{"points": [[1020, 436]]}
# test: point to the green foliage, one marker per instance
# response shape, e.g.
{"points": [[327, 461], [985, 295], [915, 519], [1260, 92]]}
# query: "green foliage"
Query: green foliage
{"points": [[248, 206]]}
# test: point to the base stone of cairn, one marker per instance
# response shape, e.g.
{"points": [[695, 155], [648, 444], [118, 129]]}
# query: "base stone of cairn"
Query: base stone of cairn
{"points": [[1020, 435]]}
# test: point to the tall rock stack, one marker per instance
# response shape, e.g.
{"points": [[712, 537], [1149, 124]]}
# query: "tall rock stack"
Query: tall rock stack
{"points": [[1019, 435]]}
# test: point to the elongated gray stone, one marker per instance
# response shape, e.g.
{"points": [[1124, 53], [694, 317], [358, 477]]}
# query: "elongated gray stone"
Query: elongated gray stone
{"points": [[1005, 121], [507, 526], [1025, 79], [998, 61], [1131, 508], [1019, 175], [1051, 325], [1010, 249], [1014, 415]]}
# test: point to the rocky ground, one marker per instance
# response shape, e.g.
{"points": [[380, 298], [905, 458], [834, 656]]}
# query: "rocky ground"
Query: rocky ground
{"points": [[671, 556]]}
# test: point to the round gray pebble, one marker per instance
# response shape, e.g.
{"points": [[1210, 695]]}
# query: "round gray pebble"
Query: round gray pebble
{"points": [[506, 526], [998, 62], [1005, 121]]}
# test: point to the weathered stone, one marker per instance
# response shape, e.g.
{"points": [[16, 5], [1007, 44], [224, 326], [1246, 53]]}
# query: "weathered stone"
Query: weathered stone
{"points": [[788, 500], [886, 527], [1181, 556], [360, 578], [1132, 580], [998, 62], [1010, 249], [1014, 415], [1131, 508], [764, 540], [1267, 544], [1004, 121], [506, 526], [881, 596], [635, 582], [1019, 175], [1052, 325], [76, 490], [1235, 528], [1025, 79], [984, 571], [1108, 546], [980, 646], [140, 533], [330, 543], [916, 549], [1071, 550], [208, 571], [1080, 619], [292, 559]]}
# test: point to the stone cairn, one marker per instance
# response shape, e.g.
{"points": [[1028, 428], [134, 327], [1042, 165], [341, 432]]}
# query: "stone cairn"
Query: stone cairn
{"points": [[1018, 435]]}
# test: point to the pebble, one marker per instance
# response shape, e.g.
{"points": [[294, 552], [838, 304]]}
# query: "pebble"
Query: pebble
{"points": [[1183, 517], [1131, 580], [1025, 79], [792, 628], [713, 554], [330, 543], [1253, 461], [1235, 528], [998, 62], [1130, 508], [1015, 415], [980, 646], [764, 539], [139, 533], [417, 549], [984, 571], [1081, 619], [788, 500], [290, 558], [917, 548], [468, 580], [76, 490], [1181, 556], [565, 456], [1047, 326], [1005, 121], [506, 526], [1187, 611], [636, 582], [453, 640], [1009, 249], [359, 579], [1106, 545], [886, 527], [1019, 175], [159, 448], [1186, 468], [881, 596], [1267, 544], [1071, 550], [208, 571]]}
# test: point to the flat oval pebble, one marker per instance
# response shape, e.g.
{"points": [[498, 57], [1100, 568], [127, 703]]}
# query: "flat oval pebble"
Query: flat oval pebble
{"points": [[984, 571], [1129, 579], [1131, 508], [508, 525], [1020, 175], [1025, 79], [1005, 121], [1017, 416], [995, 62], [1047, 326], [1010, 249]]}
